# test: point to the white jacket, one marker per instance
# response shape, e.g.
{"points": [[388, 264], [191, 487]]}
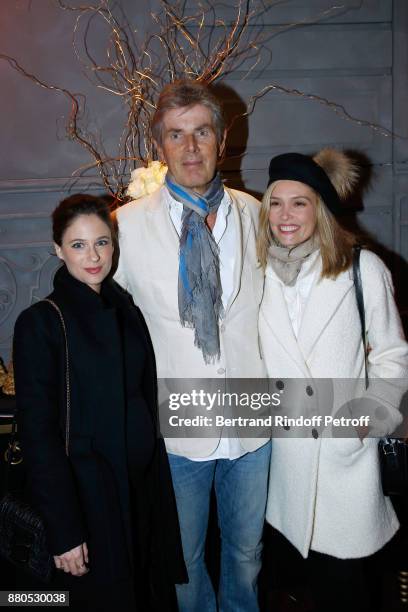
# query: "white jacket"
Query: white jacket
{"points": [[148, 269], [325, 493]]}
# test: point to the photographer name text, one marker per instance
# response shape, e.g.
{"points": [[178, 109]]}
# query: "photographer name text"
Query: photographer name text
{"points": [[268, 421]]}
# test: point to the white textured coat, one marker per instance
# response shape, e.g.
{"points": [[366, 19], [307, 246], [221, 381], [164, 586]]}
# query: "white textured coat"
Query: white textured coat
{"points": [[148, 269], [325, 493]]}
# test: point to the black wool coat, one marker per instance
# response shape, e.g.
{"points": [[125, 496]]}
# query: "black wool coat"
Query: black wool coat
{"points": [[86, 496]]}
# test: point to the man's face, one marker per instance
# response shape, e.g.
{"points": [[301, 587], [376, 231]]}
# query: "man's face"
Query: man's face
{"points": [[189, 146]]}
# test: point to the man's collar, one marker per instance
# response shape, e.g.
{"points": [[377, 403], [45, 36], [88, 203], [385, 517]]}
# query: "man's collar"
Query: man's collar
{"points": [[178, 206]]}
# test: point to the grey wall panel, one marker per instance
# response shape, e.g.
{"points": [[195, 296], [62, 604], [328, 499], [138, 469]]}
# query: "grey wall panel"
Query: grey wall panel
{"points": [[403, 203], [291, 122], [33, 140], [332, 47], [295, 11], [400, 242], [40, 196], [378, 222], [404, 236], [25, 276], [352, 47], [400, 97], [24, 230]]}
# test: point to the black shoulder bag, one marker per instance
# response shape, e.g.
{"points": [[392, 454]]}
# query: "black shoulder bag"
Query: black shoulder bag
{"points": [[393, 452], [22, 531]]}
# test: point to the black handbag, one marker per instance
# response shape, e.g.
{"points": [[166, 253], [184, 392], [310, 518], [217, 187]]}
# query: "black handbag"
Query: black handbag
{"points": [[22, 538], [22, 531], [393, 452]]}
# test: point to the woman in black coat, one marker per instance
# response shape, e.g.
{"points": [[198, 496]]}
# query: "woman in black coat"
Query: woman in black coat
{"points": [[108, 505]]}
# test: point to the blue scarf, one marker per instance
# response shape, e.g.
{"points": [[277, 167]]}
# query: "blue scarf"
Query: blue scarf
{"points": [[199, 284]]}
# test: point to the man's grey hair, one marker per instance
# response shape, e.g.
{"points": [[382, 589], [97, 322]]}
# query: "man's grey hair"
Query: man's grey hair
{"points": [[182, 93]]}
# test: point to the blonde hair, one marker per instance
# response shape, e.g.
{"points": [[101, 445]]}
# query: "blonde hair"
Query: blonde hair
{"points": [[336, 243]]}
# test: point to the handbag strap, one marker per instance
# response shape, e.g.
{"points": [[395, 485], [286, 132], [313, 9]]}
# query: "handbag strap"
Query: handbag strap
{"points": [[358, 286], [67, 377], [12, 454], [13, 446], [389, 444]]}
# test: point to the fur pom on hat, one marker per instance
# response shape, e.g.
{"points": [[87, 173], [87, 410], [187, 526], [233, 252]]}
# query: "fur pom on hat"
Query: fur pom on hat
{"points": [[342, 171]]}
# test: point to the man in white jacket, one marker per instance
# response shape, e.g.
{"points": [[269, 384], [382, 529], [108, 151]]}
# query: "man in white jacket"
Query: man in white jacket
{"points": [[187, 255]]}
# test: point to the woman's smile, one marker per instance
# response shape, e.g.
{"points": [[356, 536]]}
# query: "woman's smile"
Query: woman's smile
{"points": [[93, 270], [292, 213], [288, 228]]}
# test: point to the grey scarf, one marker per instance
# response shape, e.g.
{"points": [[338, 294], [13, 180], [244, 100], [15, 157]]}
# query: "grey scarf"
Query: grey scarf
{"points": [[287, 262], [199, 286]]}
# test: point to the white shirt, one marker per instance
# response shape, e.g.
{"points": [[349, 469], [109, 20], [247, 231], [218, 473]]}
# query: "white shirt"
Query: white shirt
{"points": [[224, 233], [296, 297]]}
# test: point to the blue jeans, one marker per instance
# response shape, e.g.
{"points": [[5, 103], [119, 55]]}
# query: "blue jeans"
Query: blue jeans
{"points": [[240, 488]]}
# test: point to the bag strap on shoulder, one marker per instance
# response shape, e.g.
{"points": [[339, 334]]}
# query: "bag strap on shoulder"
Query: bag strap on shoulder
{"points": [[358, 285], [67, 377], [13, 452]]}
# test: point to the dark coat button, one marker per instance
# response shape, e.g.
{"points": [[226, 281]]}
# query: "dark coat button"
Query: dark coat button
{"points": [[309, 390], [315, 433], [280, 385]]}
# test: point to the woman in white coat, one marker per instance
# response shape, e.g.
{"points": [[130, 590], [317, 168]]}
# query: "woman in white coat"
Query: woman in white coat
{"points": [[325, 493]]}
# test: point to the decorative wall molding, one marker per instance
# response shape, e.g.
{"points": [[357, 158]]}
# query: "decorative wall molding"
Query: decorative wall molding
{"points": [[61, 185]]}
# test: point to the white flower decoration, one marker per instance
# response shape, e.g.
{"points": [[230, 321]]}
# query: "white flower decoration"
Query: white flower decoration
{"points": [[144, 181]]}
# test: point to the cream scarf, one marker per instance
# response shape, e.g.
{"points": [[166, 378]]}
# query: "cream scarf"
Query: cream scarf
{"points": [[287, 262]]}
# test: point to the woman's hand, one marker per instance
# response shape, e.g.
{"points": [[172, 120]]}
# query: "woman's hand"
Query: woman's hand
{"points": [[73, 561]]}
